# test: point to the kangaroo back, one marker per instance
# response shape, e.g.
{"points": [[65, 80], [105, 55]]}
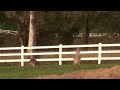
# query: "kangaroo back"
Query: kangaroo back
{"points": [[77, 57]]}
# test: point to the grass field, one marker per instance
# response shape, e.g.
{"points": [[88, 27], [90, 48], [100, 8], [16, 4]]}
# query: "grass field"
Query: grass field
{"points": [[27, 72]]}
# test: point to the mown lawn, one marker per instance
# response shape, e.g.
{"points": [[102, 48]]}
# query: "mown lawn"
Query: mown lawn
{"points": [[16, 72]]}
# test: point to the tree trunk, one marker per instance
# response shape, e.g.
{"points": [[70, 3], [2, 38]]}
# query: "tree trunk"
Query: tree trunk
{"points": [[77, 57], [20, 36], [32, 36], [23, 26], [87, 31]]}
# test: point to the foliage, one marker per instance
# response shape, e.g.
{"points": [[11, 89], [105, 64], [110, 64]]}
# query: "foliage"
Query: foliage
{"points": [[54, 27], [63, 26]]}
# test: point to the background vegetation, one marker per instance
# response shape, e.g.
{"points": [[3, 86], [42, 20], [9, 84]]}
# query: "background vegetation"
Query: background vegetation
{"points": [[55, 27]]}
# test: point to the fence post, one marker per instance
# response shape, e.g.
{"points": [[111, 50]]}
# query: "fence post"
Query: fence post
{"points": [[90, 34], [99, 53], [8, 31], [22, 55], [60, 54]]}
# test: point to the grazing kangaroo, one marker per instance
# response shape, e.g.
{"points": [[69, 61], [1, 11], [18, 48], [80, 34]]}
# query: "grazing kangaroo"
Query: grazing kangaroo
{"points": [[77, 57], [33, 62]]}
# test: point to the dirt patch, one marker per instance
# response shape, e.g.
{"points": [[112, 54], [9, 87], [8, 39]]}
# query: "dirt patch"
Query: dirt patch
{"points": [[102, 73]]}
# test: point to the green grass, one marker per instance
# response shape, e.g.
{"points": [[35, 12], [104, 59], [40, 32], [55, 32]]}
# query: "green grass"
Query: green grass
{"points": [[16, 72]]}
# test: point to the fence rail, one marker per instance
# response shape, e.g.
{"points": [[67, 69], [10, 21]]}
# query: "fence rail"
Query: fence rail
{"points": [[60, 53], [8, 32], [98, 34], [79, 35]]}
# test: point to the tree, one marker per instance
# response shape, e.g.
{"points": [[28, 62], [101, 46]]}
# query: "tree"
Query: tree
{"points": [[16, 20], [60, 25], [91, 20], [32, 36], [64, 26]]}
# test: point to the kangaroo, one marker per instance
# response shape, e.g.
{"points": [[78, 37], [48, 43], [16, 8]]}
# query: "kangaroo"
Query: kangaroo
{"points": [[33, 62], [77, 57]]}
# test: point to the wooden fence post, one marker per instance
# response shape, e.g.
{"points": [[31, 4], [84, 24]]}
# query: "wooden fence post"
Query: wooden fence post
{"points": [[22, 55], [60, 54], [99, 53]]}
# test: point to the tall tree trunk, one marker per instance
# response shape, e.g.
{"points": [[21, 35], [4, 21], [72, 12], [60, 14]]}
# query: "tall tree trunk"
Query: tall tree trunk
{"points": [[20, 36], [32, 36], [87, 31], [23, 27]]}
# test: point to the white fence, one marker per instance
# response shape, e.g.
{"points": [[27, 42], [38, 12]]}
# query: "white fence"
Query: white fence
{"points": [[99, 51], [8, 32], [98, 34], [79, 35]]}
